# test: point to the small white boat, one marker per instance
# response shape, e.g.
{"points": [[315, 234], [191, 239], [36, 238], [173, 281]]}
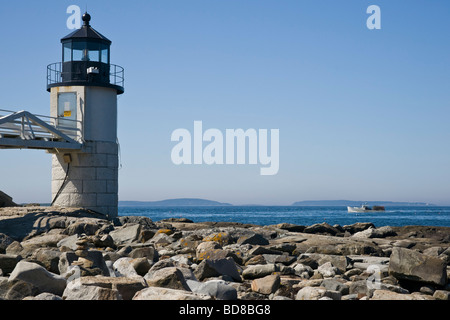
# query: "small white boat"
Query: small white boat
{"points": [[365, 208]]}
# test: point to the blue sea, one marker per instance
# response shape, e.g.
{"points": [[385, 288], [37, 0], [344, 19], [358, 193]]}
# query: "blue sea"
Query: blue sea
{"points": [[268, 215]]}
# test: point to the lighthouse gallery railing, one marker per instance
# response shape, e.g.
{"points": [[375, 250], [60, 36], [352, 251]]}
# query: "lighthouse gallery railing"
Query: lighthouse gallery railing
{"points": [[55, 74]]}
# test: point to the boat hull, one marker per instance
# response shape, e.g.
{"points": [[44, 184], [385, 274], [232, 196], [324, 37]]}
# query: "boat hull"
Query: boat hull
{"points": [[361, 210]]}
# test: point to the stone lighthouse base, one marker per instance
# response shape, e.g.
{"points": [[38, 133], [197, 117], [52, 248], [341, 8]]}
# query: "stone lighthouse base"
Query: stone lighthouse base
{"points": [[87, 179]]}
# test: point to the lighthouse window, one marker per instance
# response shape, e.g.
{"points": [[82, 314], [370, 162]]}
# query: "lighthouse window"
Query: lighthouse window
{"points": [[94, 52], [67, 54], [94, 55], [105, 54], [79, 51], [67, 106]]}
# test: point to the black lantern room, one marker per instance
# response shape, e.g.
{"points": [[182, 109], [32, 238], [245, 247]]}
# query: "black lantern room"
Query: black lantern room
{"points": [[85, 61]]}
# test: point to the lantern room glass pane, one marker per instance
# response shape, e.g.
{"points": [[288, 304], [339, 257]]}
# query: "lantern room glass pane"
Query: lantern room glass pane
{"points": [[93, 52], [105, 54], [78, 51], [67, 52]]}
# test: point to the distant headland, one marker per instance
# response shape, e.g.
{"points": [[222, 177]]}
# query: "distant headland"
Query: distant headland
{"points": [[175, 202], [306, 203]]}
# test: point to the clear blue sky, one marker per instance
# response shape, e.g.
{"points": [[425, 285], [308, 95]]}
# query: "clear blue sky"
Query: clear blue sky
{"points": [[363, 114]]}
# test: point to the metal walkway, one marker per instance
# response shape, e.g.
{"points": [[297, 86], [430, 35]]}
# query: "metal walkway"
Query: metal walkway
{"points": [[24, 130]]}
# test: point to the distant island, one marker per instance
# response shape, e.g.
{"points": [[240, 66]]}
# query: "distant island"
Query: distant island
{"points": [[174, 202], [352, 203], [195, 202]]}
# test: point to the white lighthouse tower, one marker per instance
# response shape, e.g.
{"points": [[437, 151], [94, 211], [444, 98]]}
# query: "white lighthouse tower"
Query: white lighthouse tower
{"points": [[83, 97]]}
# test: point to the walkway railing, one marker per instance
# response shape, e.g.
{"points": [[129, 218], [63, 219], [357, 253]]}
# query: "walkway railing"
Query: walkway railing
{"points": [[23, 125]]}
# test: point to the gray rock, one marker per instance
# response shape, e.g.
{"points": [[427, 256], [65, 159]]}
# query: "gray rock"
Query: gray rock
{"points": [[222, 238], [433, 251], [145, 222], [16, 289], [217, 289], [44, 240], [126, 234], [76, 291], [104, 241], [255, 239], [387, 286], [123, 267], [39, 277], [181, 259], [36, 220], [316, 293], [427, 289], [259, 259], [170, 277], [141, 265], [340, 262], [357, 248], [290, 227], [124, 251], [391, 295], [381, 232], [306, 260], [258, 250], [285, 270], [364, 262], [68, 242], [279, 258], [158, 293], [49, 258], [358, 287], [161, 239], [335, 285], [6, 200], [82, 227], [358, 226], [259, 271], [284, 247], [404, 244], [65, 261], [385, 231], [349, 297], [109, 264], [5, 241], [327, 270], [266, 285], [411, 265], [126, 287], [188, 273], [441, 295], [321, 228], [45, 296], [165, 263], [92, 263], [14, 248], [303, 271], [146, 252], [8, 262], [205, 249], [213, 268]]}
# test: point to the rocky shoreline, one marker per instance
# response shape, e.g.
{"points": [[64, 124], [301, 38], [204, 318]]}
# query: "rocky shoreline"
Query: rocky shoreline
{"points": [[74, 254]]}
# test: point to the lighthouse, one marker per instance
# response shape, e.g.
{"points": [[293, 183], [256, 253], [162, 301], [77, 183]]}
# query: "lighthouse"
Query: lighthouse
{"points": [[83, 102]]}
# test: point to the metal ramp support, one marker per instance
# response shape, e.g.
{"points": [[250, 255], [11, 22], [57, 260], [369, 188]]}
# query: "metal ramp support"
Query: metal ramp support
{"points": [[22, 129]]}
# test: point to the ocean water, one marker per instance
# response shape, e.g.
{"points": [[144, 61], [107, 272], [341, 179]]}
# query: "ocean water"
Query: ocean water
{"points": [[267, 215]]}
